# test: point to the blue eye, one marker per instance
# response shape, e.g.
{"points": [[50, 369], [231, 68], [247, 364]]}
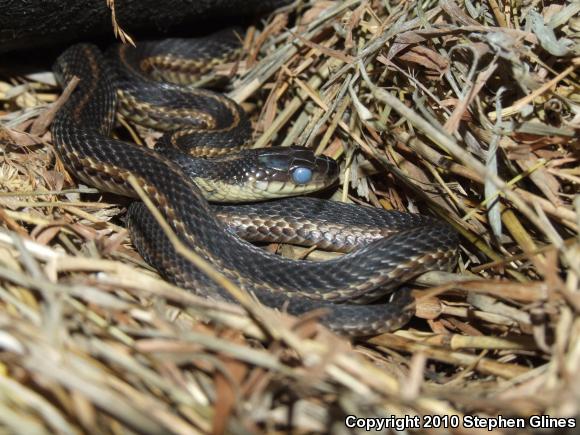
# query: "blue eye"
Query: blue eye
{"points": [[302, 175]]}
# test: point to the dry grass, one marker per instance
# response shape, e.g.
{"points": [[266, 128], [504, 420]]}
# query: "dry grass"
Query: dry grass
{"points": [[470, 112]]}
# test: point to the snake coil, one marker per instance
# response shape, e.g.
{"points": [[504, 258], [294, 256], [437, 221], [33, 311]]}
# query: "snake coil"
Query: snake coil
{"points": [[397, 246]]}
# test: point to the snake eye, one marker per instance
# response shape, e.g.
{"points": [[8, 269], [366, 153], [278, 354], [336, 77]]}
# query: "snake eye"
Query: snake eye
{"points": [[302, 175]]}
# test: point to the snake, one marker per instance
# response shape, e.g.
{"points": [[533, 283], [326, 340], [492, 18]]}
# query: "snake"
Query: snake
{"points": [[201, 155]]}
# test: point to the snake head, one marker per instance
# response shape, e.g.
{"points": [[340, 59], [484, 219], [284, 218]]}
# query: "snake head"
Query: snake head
{"points": [[259, 174], [291, 171]]}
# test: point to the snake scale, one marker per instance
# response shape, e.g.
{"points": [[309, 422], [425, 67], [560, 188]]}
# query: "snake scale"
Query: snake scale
{"points": [[353, 291]]}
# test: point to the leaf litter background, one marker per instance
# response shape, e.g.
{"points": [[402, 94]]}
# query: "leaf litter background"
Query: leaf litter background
{"points": [[467, 110]]}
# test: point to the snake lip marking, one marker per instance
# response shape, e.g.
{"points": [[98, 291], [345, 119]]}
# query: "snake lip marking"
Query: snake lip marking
{"points": [[384, 248]]}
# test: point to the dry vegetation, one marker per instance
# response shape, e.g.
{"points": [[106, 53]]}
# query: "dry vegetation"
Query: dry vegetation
{"points": [[468, 110]]}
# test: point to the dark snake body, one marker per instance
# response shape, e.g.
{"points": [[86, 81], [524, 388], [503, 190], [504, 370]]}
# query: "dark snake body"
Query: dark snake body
{"points": [[81, 134]]}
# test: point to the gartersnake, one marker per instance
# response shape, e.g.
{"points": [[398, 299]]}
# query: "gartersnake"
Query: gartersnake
{"points": [[399, 246]]}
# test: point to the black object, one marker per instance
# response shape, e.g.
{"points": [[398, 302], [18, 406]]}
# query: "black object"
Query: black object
{"points": [[32, 23]]}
